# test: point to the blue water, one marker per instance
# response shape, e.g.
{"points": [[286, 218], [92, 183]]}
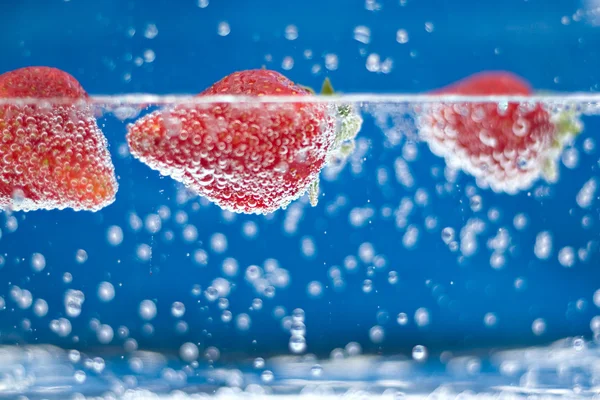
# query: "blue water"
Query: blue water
{"points": [[447, 298]]}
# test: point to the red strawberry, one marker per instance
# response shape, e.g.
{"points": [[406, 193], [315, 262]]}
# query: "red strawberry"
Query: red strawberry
{"points": [[53, 155], [506, 146], [251, 157]]}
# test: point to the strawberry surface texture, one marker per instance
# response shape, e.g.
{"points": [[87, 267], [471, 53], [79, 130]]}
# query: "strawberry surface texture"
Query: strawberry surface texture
{"points": [[245, 156], [507, 146], [52, 153]]}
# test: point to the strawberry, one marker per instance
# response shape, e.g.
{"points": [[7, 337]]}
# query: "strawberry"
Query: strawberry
{"points": [[507, 146], [246, 156], [53, 155]]}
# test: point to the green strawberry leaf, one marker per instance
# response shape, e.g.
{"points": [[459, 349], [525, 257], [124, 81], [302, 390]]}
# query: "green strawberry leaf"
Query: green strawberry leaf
{"points": [[327, 88]]}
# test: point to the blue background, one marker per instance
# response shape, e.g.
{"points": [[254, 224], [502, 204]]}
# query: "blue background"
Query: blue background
{"points": [[90, 40]]}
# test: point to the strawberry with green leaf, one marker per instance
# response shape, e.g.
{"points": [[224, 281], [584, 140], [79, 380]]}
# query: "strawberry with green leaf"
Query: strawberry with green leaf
{"points": [[507, 146], [247, 156]]}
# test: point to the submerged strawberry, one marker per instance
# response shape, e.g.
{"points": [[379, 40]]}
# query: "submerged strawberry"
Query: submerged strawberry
{"points": [[52, 153], [506, 146], [246, 156]]}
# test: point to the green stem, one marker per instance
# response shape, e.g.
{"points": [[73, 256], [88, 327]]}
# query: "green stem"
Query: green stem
{"points": [[349, 123]]}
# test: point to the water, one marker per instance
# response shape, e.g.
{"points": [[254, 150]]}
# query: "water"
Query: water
{"points": [[408, 279], [565, 369]]}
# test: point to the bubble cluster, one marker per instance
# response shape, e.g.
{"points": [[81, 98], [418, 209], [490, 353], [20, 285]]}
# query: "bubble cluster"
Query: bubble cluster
{"points": [[73, 302], [297, 342], [543, 245], [586, 195]]}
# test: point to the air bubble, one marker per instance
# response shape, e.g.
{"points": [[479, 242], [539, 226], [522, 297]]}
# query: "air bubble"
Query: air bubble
{"points": [[189, 352], [376, 334], [147, 310], [267, 376], [201, 257], [331, 62], [250, 229], [230, 267], [520, 221], [151, 31], [422, 317], [373, 63], [362, 34], [38, 262], [114, 235], [258, 363], [106, 291], [153, 223], [291, 32], [73, 301], [218, 243], [149, 56], [367, 286], [316, 371], [419, 353], [402, 319], [402, 36], [223, 29], [490, 320], [144, 252], [538, 327], [543, 245], [40, 307], [105, 334], [447, 235], [297, 344], [178, 309], [566, 256], [81, 256], [242, 322], [570, 157], [79, 376], [314, 289], [287, 63]]}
